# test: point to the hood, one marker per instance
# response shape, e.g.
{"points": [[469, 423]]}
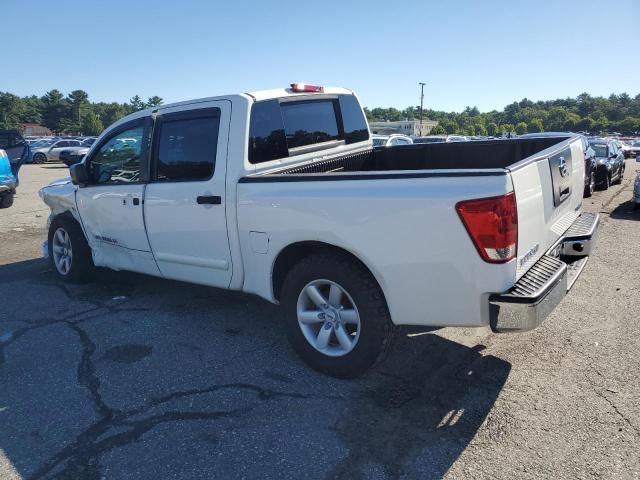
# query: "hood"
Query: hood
{"points": [[60, 196]]}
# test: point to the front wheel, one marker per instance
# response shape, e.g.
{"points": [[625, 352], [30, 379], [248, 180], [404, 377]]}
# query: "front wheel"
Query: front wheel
{"points": [[69, 253], [336, 315], [39, 158], [6, 200]]}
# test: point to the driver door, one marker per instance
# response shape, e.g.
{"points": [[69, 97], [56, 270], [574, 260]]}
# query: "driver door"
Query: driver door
{"points": [[110, 206]]}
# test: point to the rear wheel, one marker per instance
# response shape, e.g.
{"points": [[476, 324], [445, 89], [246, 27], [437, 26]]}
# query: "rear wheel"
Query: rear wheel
{"points": [[6, 200], [69, 253], [39, 158], [336, 315]]}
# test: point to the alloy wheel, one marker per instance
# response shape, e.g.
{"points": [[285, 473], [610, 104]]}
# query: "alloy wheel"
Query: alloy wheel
{"points": [[62, 251], [328, 318]]}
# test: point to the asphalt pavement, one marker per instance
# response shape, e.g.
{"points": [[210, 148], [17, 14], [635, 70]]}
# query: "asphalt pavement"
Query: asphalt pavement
{"points": [[132, 377]]}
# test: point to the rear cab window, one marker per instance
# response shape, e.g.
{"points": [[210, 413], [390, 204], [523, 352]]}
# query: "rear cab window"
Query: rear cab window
{"points": [[288, 127]]}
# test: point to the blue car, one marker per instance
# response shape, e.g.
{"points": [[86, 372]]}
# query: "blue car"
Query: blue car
{"points": [[13, 152]]}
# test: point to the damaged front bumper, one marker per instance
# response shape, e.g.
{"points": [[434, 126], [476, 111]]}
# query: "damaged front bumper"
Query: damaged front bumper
{"points": [[545, 284]]}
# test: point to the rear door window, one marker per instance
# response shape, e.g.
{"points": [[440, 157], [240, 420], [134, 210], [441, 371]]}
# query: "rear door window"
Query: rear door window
{"points": [[187, 145]]}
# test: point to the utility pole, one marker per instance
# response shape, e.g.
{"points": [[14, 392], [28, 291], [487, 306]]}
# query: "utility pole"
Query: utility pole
{"points": [[422, 84]]}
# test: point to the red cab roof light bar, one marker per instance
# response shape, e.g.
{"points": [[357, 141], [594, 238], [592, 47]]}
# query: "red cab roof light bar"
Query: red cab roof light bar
{"points": [[303, 87]]}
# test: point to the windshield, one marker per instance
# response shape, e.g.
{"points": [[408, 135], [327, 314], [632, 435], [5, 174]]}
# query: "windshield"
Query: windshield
{"points": [[378, 142], [601, 150], [429, 140]]}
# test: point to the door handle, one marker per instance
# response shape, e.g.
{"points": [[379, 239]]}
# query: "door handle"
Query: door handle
{"points": [[209, 200]]}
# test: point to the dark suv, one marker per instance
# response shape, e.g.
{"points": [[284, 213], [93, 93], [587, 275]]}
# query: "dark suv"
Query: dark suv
{"points": [[610, 162], [590, 163]]}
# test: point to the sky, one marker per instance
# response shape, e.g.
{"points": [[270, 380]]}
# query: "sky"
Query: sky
{"points": [[470, 53]]}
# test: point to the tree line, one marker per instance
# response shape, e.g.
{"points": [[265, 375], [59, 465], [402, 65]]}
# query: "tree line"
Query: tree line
{"points": [[73, 113], [596, 115]]}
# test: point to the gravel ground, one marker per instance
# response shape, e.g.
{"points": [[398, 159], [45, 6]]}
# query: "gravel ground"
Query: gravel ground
{"points": [[141, 378]]}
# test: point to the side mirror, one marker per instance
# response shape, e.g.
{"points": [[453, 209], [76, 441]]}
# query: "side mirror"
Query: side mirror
{"points": [[79, 174]]}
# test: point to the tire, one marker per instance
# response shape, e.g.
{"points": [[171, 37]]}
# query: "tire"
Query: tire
{"points": [[6, 200], [636, 206], [606, 183], [588, 190], [39, 158], [369, 339], [78, 264]]}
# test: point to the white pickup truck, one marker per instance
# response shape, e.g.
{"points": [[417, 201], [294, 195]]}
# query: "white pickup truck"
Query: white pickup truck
{"points": [[279, 193]]}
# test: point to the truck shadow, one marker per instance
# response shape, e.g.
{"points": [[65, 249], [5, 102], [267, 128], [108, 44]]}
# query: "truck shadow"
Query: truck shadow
{"points": [[625, 211], [410, 417], [427, 403]]}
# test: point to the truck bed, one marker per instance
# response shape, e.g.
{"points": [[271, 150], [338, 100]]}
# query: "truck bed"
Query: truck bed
{"points": [[482, 155]]}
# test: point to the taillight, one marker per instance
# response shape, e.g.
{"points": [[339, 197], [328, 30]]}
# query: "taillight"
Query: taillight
{"points": [[303, 87], [492, 224]]}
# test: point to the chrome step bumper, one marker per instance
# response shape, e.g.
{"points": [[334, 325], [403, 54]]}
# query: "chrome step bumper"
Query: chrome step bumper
{"points": [[545, 284]]}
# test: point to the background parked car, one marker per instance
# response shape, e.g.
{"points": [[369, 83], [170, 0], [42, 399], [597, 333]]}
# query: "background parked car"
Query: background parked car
{"points": [[590, 161], [431, 139], [50, 151], [72, 156], [13, 152], [610, 163], [390, 140], [634, 148]]}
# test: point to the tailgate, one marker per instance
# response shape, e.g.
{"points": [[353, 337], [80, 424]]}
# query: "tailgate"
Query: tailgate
{"points": [[548, 188]]}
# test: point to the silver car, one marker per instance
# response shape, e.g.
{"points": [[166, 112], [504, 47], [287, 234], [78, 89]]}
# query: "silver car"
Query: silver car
{"points": [[50, 151]]}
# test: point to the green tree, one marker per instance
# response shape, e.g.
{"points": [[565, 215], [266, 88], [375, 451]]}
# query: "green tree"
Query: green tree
{"points": [[91, 124], [492, 129], [450, 126], [629, 125], [481, 130], [535, 126], [587, 123], [154, 101], [521, 128], [571, 121], [136, 103], [111, 113], [79, 99], [438, 130], [55, 110], [507, 128]]}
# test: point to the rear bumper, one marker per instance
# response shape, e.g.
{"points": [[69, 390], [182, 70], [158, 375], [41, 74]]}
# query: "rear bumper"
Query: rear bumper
{"points": [[545, 284]]}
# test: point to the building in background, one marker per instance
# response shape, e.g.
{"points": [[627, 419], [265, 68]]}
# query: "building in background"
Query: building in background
{"points": [[413, 128], [34, 130]]}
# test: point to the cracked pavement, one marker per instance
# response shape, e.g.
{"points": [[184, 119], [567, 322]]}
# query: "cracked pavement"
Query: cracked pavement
{"points": [[135, 377]]}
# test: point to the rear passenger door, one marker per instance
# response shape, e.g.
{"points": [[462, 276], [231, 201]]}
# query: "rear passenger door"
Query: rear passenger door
{"points": [[184, 203]]}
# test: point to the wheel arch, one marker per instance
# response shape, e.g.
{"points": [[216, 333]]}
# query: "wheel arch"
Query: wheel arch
{"points": [[294, 252]]}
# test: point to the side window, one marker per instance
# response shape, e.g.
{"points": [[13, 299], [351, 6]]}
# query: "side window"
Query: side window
{"points": [[119, 159], [267, 140], [353, 120], [187, 146]]}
